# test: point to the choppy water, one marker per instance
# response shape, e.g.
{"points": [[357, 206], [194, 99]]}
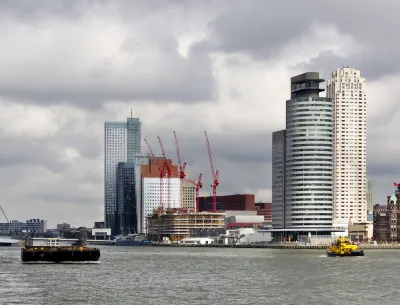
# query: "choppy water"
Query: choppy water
{"points": [[155, 275]]}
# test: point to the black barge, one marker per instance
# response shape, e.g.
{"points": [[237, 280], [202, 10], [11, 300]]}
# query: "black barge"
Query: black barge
{"points": [[53, 252]]}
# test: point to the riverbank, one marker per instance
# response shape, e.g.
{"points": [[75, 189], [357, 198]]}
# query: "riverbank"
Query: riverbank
{"points": [[282, 246]]}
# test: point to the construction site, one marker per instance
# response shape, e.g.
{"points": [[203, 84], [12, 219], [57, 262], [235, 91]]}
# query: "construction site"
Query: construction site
{"points": [[173, 221]]}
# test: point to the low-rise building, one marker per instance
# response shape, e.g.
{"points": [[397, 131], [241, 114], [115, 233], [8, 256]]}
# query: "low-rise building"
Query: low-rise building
{"points": [[264, 209], [387, 220], [245, 236], [101, 234], [361, 232], [237, 202], [17, 227], [63, 226]]}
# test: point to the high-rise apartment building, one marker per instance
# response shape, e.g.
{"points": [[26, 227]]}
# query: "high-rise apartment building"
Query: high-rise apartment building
{"points": [[347, 90], [122, 141], [188, 194], [151, 196], [302, 160]]}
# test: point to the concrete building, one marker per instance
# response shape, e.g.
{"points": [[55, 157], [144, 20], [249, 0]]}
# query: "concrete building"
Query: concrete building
{"points": [[245, 236], [178, 226], [63, 226], [189, 194], [347, 90], [122, 142], [150, 189], [101, 234], [127, 207], [238, 202], [244, 221], [17, 227], [151, 196]]}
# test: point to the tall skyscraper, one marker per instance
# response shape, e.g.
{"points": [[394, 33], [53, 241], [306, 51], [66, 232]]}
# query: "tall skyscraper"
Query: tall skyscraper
{"points": [[127, 207], [302, 160], [122, 141], [347, 90]]}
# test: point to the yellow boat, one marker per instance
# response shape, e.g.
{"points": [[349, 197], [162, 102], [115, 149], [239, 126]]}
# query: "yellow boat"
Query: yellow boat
{"points": [[343, 247]]}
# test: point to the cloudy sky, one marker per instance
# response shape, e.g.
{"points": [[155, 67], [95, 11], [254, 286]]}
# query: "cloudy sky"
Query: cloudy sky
{"points": [[189, 66]]}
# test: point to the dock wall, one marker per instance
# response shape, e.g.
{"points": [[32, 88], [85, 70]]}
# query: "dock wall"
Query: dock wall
{"points": [[282, 246]]}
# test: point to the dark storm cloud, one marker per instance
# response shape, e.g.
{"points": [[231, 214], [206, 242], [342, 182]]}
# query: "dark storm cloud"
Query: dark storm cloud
{"points": [[261, 29], [91, 93], [373, 65]]}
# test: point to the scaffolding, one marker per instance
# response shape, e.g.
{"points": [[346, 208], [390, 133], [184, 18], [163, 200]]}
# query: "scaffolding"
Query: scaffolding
{"points": [[177, 226]]}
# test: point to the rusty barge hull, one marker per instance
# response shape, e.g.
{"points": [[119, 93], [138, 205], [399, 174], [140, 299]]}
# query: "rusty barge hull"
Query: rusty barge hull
{"points": [[59, 254]]}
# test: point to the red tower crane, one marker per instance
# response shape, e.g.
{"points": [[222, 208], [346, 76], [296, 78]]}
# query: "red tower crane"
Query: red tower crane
{"points": [[161, 171], [215, 176], [182, 168], [168, 169], [199, 185]]}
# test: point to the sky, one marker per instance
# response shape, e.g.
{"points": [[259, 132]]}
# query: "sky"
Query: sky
{"points": [[189, 66]]}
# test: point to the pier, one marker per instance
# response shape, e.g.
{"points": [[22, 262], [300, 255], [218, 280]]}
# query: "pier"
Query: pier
{"points": [[281, 246]]}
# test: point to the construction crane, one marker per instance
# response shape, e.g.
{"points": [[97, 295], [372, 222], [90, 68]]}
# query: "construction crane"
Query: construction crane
{"points": [[168, 169], [9, 223], [215, 176], [182, 168], [199, 185], [161, 171]]}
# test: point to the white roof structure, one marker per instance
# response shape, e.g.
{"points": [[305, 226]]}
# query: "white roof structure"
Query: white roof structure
{"points": [[246, 219]]}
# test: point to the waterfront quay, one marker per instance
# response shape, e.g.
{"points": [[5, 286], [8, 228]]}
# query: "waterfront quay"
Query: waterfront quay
{"points": [[278, 246]]}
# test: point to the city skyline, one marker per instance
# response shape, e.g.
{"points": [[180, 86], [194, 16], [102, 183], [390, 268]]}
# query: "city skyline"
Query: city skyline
{"points": [[210, 66]]}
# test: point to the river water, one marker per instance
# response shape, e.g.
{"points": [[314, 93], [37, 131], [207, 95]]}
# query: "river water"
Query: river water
{"points": [[169, 276]]}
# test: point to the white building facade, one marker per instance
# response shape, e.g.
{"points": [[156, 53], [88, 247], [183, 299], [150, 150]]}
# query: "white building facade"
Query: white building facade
{"points": [[347, 90], [189, 194], [151, 196]]}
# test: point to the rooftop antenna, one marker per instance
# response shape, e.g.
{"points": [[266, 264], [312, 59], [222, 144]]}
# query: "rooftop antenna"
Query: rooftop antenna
{"points": [[131, 112]]}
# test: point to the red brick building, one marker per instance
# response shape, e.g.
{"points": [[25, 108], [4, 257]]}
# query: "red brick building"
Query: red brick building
{"points": [[237, 202], [265, 209], [151, 170], [387, 220]]}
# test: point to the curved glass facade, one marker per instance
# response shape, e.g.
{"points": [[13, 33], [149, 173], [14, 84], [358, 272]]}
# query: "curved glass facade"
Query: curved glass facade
{"points": [[309, 162]]}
